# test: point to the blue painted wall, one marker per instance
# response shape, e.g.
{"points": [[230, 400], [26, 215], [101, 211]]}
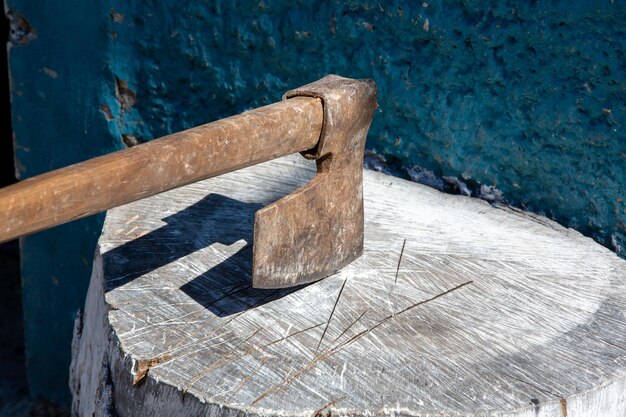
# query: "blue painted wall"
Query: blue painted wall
{"points": [[57, 71], [526, 97]]}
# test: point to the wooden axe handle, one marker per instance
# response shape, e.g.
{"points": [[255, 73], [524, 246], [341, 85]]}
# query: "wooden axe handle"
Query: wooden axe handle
{"points": [[205, 151]]}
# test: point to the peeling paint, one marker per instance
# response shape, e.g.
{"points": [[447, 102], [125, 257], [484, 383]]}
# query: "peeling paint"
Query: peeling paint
{"points": [[125, 96], [50, 73], [21, 31], [130, 140], [106, 110], [117, 17]]}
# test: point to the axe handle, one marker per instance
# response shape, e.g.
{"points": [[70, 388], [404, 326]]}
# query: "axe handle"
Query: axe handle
{"points": [[121, 177]]}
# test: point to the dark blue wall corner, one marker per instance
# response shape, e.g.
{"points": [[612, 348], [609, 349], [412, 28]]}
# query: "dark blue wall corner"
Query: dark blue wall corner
{"points": [[57, 68]]}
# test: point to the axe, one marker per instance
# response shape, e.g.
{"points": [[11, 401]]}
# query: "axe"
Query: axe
{"points": [[303, 237]]}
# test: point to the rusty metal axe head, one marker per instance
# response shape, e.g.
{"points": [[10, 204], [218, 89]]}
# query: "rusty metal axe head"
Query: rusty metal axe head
{"points": [[315, 231]]}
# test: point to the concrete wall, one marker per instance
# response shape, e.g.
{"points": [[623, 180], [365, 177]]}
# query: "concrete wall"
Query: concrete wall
{"points": [[520, 101]]}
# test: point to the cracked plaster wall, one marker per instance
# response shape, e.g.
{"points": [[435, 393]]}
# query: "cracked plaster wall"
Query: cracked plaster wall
{"points": [[526, 97]]}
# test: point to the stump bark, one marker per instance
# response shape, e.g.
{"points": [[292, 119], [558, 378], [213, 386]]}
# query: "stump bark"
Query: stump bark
{"points": [[456, 308]]}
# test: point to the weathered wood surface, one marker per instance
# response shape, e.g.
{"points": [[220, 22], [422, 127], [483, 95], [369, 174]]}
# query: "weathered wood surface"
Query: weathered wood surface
{"points": [[456, 308], [111, 180]]}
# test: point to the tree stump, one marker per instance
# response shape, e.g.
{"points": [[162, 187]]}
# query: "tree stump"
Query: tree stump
{"points": [[456, 308]]}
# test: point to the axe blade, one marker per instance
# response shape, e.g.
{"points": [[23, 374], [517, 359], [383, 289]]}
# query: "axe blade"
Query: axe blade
{"points": [[315, 231]]}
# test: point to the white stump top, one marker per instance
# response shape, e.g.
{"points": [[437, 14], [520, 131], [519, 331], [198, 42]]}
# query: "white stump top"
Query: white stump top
{"points": [[455, 308]]}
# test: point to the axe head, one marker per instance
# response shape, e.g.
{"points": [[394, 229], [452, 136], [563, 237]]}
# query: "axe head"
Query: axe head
{"points": [[315, 231]]}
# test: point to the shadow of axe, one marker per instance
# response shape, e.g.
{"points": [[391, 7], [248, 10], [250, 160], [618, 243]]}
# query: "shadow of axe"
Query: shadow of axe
{"points": [[303, 237]]}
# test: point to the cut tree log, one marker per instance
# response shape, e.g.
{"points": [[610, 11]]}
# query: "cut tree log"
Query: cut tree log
{"points": [[456, 308]]}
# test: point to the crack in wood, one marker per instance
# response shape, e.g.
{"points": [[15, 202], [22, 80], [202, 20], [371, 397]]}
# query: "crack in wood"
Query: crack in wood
{"points": [[544, 299], [331, 313], [234, 290], [323, 412], [564, 407], [247, 379], [528, 216], [226, 358], [530, 384], [221, 361], [400, 261], [350, 326], [286, 337], [184, 344], [613, 344], [331, 351]]}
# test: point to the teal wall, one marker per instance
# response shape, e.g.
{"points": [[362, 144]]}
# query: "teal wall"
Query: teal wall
{"points": [[526, 97], [58, 70]]}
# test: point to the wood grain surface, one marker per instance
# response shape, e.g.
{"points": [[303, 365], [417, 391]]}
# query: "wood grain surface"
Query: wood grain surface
{"points": [[181, 158], [456, 308]]}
